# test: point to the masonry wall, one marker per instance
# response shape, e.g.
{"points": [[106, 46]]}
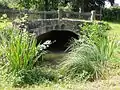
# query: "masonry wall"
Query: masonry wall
{"points": [[42, 26]]}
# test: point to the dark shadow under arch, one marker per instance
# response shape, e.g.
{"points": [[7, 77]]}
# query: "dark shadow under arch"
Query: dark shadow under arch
{"points": [[62, 39]]}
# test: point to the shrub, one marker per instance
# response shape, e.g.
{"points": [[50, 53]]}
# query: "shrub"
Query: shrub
{"points": [[97, 34], [111, 14], [95, 31], [34, 76]]}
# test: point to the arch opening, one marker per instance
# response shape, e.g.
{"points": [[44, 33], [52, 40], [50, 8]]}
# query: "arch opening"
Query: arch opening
{"points": [[60, 40]]}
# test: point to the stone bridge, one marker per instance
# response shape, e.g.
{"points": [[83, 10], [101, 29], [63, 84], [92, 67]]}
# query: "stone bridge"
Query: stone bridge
{"points": [[58, 31], [42, 26]]}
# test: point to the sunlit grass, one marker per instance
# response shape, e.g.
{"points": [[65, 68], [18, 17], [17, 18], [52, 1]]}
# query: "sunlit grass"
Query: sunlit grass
{"points": [[4, 24], [115, 30]]}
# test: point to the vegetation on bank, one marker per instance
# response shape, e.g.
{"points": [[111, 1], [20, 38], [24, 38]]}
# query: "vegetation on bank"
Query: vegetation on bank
{"points": [[22, 63], [85, 62], [89, 55]]}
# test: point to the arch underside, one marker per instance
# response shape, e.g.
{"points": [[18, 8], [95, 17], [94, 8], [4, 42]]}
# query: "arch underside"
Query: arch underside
{"points": [[60, 39]]}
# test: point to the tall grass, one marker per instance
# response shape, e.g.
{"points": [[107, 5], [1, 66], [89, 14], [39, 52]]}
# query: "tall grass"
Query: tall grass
{"points": [[89, 55], [19, 55], [19, 49]]}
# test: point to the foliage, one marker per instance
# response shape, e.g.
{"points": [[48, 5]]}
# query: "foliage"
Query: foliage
{"points": [[34, 76], [68, 7], [87, 61], [19, 49], [82, 63], [18, 55], [4, 21], [95, 31], [7, 4], [31, 4], [111, 14], [86, 5], [47, 5], [3, 5], [97, 34], [39, 4], [89, 54]]}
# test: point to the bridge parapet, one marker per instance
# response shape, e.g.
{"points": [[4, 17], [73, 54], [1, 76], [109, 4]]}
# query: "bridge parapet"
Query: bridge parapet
{"points": [[42, 26]]}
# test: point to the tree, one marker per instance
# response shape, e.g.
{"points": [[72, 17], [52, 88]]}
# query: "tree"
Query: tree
{"points": [[87, 5], [112, 2], [47, 5], [31, 4], [39, 4], [51, 5]]}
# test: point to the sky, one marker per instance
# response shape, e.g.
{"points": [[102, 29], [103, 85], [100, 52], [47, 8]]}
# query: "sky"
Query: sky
{"points": [[107, 4], [117, 1]]}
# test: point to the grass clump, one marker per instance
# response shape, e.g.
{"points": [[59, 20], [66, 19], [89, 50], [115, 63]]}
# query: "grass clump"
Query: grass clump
{"points": [[19, 49], [89, 54], [20, 57], [83, 63], [18, 52]]}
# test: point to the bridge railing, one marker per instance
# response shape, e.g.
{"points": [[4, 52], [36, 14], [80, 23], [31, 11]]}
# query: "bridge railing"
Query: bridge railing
{"points": [[13, 13], [80, 15]]}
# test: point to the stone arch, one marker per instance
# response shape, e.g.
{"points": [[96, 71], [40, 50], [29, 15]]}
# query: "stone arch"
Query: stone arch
{"points": [[61, 38], [56, 27], [76, 26], [63, 26]]}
